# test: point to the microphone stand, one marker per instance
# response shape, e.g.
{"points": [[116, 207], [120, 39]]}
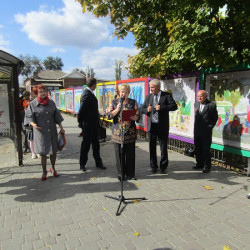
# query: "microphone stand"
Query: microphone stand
{"points": [[121, 197]]}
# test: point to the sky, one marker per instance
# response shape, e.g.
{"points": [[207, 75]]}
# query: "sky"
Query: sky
{"points": [[59, 28]]}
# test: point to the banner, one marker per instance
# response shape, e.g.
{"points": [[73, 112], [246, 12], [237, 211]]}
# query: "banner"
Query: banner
{"points": [[231, 92], [4, 110], [183, 91]]}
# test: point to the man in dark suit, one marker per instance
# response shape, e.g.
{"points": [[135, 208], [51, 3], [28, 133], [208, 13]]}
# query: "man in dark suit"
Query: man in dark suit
{"points": [[206, 116], [88, 119], [157, 106]]}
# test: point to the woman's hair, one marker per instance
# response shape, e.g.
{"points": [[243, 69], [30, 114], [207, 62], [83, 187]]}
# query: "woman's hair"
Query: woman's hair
{"points": [[37, 87], [26, 93], [124, 86]]}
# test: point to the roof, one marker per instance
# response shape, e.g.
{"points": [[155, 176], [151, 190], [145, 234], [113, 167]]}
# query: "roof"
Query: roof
{"points": [[49, 75], [7, 61], [52, 84], [74, 74]]}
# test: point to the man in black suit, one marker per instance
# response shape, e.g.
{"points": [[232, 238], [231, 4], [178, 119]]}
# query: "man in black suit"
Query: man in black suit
{"points": [[157, 106], [206, 116], [88, 119]]}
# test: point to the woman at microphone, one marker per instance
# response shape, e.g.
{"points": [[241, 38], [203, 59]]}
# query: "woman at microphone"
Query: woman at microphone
{"points": [[127, 128]]}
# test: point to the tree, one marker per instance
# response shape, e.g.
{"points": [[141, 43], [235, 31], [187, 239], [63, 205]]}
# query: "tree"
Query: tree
{"points": [[31, 64], [118, 69], [51, 63], [90, 72], [80, 71], [177, 36]]}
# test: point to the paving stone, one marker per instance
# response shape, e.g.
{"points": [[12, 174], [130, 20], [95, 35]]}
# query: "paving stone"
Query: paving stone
{"points": [[72, 212], [73, 243]]}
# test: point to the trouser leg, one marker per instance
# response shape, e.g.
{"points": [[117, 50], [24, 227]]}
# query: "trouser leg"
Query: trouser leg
{"points": [[129, 150], [206, 144], [198, 151], [152, 149], [85, 146], [96, 148], [164, 152], [118, 160]]}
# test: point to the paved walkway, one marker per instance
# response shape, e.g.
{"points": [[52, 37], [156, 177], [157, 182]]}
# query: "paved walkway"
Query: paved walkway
{"points": [[71, 211]]}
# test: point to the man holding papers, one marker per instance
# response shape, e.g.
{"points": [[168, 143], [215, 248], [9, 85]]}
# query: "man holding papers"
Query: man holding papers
{"points": [[124, 112]]}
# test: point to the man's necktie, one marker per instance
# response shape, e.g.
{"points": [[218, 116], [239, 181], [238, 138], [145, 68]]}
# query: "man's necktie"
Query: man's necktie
{"points": [[155, 112]]}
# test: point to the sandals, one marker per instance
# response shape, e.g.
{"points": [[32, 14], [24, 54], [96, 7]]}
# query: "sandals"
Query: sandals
{"points": [[55, 174]]}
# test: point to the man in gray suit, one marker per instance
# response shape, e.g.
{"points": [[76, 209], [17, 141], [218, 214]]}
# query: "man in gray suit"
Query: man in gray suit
{"points": [[206, 116]]}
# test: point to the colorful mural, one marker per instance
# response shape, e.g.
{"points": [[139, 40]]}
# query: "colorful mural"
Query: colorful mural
{"points": [[231, 92], [57, 98], [77, 99], [69, 100], [52, 95], [62, 99], [138, 92], [105, 93], [183, 91]]}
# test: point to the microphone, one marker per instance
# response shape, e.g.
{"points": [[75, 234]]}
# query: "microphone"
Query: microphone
{"points": [[122, 100]]}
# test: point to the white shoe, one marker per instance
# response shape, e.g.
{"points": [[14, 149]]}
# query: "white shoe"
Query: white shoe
{"points": [[34, 156]]}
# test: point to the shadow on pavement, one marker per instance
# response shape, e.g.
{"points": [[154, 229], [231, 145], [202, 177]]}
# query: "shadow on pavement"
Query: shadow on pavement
{"points": [[65, 186]]}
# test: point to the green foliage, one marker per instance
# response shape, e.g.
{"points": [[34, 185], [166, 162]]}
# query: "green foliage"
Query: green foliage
{"points": [[31, 64], [178, 36], [51, 63]]}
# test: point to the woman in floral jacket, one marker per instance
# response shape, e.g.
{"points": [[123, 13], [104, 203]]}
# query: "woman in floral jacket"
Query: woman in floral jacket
{"points": [[129, 133]]}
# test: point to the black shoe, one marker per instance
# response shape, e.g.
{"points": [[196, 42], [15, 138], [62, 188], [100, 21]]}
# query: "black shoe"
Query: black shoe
{"points": [[153, 170], [120, 178], [163, 171], [100, 166], [83, 168], [197, 167], [206, 170]]}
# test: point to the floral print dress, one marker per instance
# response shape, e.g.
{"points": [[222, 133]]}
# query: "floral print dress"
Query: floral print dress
{"points": [[129, 127]]}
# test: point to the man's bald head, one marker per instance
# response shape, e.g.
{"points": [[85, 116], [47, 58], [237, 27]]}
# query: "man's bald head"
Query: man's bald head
{"points": [[202, 96]]}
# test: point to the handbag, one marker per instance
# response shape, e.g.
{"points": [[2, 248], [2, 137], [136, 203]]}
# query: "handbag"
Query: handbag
{"points": [[61, 141]]}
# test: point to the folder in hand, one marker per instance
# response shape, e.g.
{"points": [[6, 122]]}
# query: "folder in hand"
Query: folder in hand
{"points": [[126, 114]]}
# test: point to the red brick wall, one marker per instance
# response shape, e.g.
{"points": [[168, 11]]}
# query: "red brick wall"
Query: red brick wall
{"points": [[73, 82]]}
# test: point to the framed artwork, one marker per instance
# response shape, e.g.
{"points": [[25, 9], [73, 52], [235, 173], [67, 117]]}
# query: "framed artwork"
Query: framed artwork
{"points": [[181, 121], [4, 109], [57, 99], [69, 100], [105, 93], [77, 98], [138, 91], [62, 99], [52, 95], [231, 92]]}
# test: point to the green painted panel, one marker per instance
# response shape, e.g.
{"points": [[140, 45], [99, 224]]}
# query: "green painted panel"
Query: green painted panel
{"points": [[237, 151]]}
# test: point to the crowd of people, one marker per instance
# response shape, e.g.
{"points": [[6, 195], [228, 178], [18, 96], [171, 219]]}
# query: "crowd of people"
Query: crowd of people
{"points": [[40, 119]]}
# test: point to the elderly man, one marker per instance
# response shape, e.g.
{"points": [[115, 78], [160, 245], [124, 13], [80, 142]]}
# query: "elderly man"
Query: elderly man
{"points": [[206, 116], [157, 106]]}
